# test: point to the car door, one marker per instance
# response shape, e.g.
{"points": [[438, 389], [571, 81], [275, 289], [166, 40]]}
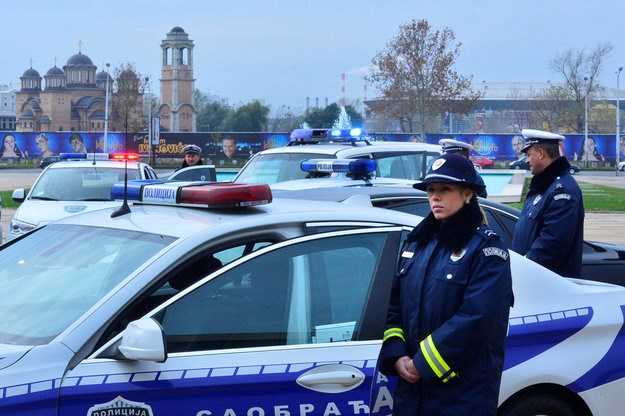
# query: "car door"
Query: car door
{"points": [[293, 328]]}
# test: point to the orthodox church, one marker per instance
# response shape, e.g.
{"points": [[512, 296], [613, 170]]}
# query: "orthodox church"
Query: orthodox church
{"points": [[73, 98]]}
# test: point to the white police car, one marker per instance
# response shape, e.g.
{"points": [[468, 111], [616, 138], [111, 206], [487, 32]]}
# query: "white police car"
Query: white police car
{"points": [[395, 159], [231, 304], [78, 182]]}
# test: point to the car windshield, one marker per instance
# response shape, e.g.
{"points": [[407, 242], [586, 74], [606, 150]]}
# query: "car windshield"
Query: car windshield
{"points": [[53, 276], [276, 167], [79, 183]]}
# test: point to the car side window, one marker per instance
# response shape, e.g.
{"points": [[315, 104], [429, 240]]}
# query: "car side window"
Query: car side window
{"points": [[310, 292]]}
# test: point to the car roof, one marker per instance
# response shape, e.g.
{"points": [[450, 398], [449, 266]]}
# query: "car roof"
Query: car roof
{"points": [[346, 149], [91, 163], [181, 222], [382, 191]]}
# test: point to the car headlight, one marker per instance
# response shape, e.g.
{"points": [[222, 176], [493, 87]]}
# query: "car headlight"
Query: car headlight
{"points": [[17, 228]]}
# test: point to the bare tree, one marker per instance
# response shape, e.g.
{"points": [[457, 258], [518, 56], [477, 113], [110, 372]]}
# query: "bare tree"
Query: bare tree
{"points": [[554, 109], [415, 77], [127, 99], [580, 71]]}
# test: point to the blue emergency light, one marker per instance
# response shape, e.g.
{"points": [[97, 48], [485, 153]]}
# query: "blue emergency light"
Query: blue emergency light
{"points": [[99, 156], [83, 156], [193, 194], [308, 136], [353, 166]]}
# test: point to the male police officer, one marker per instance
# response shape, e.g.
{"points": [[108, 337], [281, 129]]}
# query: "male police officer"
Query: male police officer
{"points": [[462, 148], [550, 230], [192, 156]]}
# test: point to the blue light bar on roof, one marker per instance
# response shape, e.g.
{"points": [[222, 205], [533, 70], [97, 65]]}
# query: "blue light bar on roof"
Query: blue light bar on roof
{"points": [[83, 156], [354, 133], [195, 194], [356, 166], [134, 188], [325, 135]]}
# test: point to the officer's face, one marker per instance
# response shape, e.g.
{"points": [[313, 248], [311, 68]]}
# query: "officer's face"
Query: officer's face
{"points": [[446, 199], [192, 158], [535, 158]]}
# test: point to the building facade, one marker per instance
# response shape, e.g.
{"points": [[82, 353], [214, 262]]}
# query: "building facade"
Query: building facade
{"points": [[72, 98], [7, 107]]}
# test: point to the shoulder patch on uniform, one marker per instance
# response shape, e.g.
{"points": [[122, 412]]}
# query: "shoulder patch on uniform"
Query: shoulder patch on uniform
{"points": [[495, 251], [562, 196]]}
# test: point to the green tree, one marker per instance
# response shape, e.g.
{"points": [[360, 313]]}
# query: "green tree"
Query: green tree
{"points": [[249, 117], [323, 118], [415, 77], [354, 115], [210, 116]]}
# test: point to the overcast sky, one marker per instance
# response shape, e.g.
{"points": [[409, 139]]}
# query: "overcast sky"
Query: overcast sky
{"points": [[284, 51]]}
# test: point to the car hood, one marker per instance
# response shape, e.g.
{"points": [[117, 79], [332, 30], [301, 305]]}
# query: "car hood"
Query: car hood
{"points": [[39, 213], [9, 354]]}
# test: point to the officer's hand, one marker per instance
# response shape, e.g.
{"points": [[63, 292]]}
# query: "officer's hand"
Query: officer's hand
{"points": [[406, 369]]}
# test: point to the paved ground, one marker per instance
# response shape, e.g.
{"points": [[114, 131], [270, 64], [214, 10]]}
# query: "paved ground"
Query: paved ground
{"points": [[598, 226]]}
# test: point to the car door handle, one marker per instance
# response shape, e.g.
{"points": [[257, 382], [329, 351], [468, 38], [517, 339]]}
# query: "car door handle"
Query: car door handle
{"points": [[332, 378]]}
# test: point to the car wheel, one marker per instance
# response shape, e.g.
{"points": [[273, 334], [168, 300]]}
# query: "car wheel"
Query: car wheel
{"points": [[623, 168], [537, 404], [572, 171], [517, 167]]}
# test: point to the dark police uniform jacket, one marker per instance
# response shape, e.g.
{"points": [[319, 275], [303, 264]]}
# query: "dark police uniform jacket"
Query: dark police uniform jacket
{"points": [[550, 230], [449, 310]]}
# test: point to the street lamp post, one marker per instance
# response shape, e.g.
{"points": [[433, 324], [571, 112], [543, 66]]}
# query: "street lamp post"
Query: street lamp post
{"points": [[618, 120], [147, 81], [106, 111], [586, 122]]}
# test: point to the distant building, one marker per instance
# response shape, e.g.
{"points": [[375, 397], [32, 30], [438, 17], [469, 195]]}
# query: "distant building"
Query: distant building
{"points": [[7, 107], [177, 109], [71, 98]]}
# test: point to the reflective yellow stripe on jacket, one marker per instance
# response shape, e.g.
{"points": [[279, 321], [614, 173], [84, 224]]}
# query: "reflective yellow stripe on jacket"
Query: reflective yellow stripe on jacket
{"points": [[436, 362], [394, 332]]}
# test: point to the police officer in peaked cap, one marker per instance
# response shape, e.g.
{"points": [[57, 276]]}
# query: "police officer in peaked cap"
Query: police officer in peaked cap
{"points": [[447, 317], [550, 230], [461, 148], [192, 156]]}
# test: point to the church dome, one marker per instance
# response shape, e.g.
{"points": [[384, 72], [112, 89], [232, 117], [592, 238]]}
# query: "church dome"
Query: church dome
{"points": [[79, 59], [30, 72], [176, 29], [55, 71]]}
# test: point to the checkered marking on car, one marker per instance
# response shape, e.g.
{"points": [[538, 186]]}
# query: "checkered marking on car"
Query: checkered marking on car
{"points": [[191, 373]]}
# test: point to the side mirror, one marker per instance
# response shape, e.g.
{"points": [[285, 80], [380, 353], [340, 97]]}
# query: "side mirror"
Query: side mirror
{"points": [[144, 340], [19, 195]]}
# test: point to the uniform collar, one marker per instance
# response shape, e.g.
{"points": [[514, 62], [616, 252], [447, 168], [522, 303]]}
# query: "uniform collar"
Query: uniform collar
{"points": [[453, 233], [540, 182]]}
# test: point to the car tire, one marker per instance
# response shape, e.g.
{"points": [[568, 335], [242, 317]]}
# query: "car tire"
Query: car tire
{"points": [[572, 171], [537, 404], [623, 168], [517, 167]]}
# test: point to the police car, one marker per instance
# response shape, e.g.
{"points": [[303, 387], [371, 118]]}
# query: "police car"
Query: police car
{"points": [[395, 159], [78, 182], [219, 299]]}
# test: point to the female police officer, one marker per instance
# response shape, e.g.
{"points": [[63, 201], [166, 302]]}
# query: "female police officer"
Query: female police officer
{"points": [[448, 314]]}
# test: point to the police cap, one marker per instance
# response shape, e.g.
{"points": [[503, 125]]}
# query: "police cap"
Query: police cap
{"points": [[191, 148], [533, 137], [451, 168], [453, 146]]}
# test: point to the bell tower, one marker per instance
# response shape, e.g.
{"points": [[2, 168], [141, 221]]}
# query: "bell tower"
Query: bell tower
{"points": [[177, 109]]}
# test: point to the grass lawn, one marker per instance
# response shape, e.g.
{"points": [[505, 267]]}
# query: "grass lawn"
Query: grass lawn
{"points": [[597, 198]]}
